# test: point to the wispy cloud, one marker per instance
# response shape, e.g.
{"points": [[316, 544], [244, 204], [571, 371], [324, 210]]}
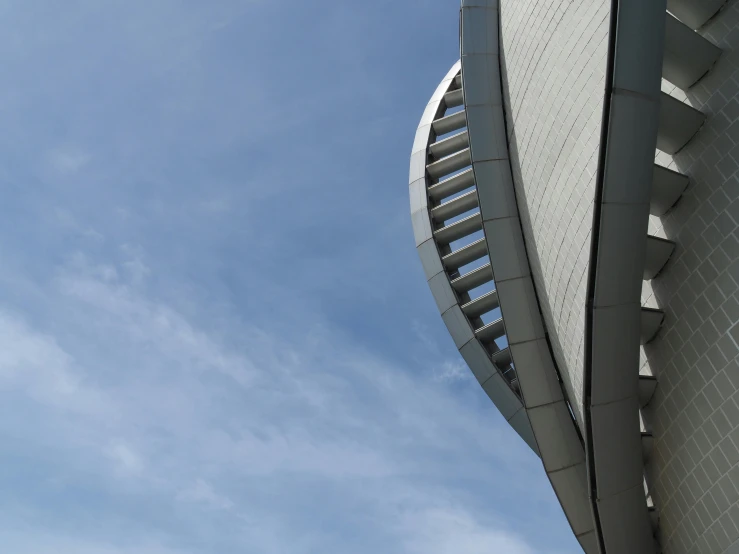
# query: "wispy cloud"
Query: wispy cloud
{"points": [[201, 492], [68, 160], [450, 530], [124, 457], [214, 335], [268, 416]]}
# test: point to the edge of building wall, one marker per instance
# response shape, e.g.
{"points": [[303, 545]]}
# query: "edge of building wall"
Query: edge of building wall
{"points": [[615, 274]]}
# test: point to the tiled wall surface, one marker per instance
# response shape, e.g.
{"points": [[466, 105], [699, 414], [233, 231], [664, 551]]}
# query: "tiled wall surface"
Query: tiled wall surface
{"points": [[695, 411], [554, 54]]}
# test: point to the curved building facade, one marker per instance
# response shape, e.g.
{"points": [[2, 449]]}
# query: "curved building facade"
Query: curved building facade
{"points": [[575, 205]]}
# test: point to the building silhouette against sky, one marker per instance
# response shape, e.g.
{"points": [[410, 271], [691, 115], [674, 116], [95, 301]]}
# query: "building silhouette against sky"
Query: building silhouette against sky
{"points": [[575, 205]]}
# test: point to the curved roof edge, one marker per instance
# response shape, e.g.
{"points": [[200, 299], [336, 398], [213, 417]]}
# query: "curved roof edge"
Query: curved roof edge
{"points": [[618, 250], [465, 337], [553, 426]]}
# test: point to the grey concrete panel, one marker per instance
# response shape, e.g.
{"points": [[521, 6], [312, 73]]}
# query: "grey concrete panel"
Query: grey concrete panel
{"points": [[482, 81], [625, 523], [540, 378], [458, 326], [421, 226], [520, 422], [442, 291], [621, 255], [431, 109], [688, 55], [615, 432], [570, 486], [421, 140], [418, 166], [476, 36], [480, 3], [417, 192], [613, 442], [632, 132], [615, 352], [496, 193], [556, 436], [478, 361], [639, 50], [487, 133], [502, 396], [506, 247], [518, 304], [430, 260], [588, 542]]}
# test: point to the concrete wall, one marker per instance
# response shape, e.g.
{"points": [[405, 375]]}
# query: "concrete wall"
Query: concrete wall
{"points": [[554, 56], [695, 411]]}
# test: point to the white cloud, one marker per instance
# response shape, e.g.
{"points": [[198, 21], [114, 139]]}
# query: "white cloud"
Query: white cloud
{"points": [[125, 458], [67, 160], [134, 265], [264, 416], [452, 370], [68, 221], [452, 530], [34, 363], [201, 492]]}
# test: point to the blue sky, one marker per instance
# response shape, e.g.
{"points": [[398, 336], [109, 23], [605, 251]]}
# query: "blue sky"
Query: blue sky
{"points": [[215, 333]]}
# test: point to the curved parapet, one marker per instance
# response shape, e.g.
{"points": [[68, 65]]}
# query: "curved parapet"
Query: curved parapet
{"points": [[631, 115], [552, 422], [447, 226]]}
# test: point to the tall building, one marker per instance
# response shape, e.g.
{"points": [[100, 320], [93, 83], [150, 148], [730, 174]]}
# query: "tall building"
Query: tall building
{"points": [[575, 204]]}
